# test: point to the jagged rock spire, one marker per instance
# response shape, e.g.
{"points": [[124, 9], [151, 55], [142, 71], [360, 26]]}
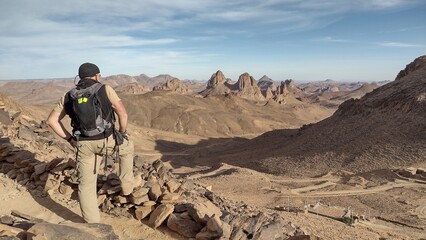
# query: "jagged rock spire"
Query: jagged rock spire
{"points": [[216, 79], [245, 80]]}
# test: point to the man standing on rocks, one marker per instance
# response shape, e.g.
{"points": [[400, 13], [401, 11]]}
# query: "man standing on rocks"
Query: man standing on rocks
{"points": [[91, 142]]}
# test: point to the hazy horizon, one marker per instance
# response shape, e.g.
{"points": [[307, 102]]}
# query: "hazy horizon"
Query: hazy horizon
{"points": [[199, 80]]}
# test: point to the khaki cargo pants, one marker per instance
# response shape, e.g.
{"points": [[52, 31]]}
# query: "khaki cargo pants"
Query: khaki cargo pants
{"points": [[87, 168]]}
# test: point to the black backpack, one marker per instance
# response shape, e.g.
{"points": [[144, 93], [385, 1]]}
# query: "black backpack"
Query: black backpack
{"points": [[87, 110]]}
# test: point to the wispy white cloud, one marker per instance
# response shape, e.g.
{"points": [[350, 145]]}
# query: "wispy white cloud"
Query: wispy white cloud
{"points": [[332, 40], [401, 45], [413, 29], [386, 3], [89, 41]]}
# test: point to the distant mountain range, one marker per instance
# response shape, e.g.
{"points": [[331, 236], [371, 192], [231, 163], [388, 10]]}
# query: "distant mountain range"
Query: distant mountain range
{"points": [[329, 93]]}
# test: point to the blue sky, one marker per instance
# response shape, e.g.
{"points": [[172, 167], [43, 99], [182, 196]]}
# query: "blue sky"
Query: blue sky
{"points": [[305, 40]]}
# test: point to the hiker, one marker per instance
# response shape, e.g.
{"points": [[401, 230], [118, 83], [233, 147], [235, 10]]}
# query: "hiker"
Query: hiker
{"points": [[91, 143]]}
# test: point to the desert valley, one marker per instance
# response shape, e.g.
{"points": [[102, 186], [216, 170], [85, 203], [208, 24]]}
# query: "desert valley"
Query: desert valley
{"points": [[228, 159]]}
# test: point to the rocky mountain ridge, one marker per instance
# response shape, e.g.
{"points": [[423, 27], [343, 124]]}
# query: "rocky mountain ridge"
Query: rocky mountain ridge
{"points": [[34, 92]]}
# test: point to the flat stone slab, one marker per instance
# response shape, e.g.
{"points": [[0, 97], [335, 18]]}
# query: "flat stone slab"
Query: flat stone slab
{"points": [[160, 214], [75, 231]]}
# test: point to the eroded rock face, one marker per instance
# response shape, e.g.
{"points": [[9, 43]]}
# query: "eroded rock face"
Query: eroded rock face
{"points": [[174, 85], [268, 93], [216, 79], [282, 89], [291, 85], [246, 81], [217, 85], [418, 63], [247, 88], [281, 93]]}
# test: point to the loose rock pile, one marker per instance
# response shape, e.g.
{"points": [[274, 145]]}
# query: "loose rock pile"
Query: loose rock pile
{"points": [[158, 198]]}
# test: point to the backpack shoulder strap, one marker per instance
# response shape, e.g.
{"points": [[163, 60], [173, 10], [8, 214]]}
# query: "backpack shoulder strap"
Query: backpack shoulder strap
{"points": [[95, 87], [75, 93]]}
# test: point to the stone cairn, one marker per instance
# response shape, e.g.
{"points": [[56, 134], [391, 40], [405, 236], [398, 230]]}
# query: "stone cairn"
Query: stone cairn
{"points": [[160, 198]]}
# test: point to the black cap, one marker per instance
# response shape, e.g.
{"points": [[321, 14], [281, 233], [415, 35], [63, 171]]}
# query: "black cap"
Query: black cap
{"points": [[88, 70]]}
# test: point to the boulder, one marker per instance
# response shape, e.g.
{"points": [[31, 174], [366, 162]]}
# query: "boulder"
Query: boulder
{"points": [[154, 192], [142, 212], [172, 185], [214, 224], [6, 167], [215, 229], [12, 174], [139, 192], [186, 227], [182, 207], [169, 197], [6, 220], [274, 230], [160, 214], [149, 203], [40, 168], [202, 210], [187, 185], [139, 200]]}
